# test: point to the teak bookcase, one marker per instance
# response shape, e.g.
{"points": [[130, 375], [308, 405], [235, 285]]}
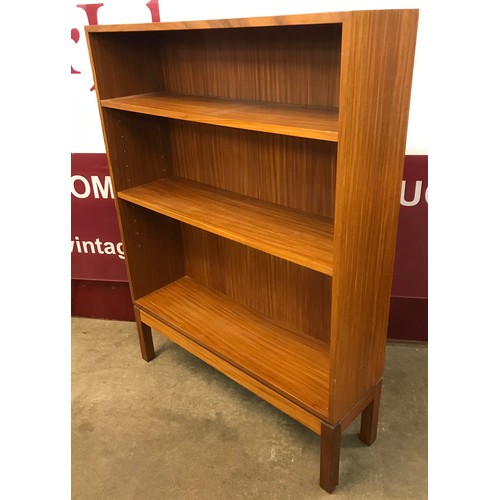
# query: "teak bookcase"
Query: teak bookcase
{"points": [[257, 167]]}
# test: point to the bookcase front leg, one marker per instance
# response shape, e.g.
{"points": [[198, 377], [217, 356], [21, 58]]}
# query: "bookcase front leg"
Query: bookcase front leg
{"points": [[145, 337], [329, 456], [369, 418]]}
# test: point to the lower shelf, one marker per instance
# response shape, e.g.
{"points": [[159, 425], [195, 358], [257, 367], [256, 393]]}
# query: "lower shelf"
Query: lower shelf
{"points": [[293, 366]]}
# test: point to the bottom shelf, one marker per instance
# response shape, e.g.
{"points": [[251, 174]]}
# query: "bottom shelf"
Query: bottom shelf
{"points": [[294, 366]]}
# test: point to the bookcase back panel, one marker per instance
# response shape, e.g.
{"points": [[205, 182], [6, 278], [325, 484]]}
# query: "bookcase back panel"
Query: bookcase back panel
{"points": [[289, 171], [138, 147], [126, 63], [289, 295], [153, 248], [281, 64]]}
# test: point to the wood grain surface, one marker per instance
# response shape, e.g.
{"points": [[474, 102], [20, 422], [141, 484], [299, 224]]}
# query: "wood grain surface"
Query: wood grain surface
{"points": [[138, 148], [283, 64], [377, 63], [288, 171], [125, 63], [294, 19], [289, 234], [294, 120], [154, 248], [295, 367], [286, 64], [288, 295]]}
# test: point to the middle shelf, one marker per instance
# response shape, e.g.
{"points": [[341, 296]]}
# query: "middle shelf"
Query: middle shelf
{"points": [[287, 119], [290, 234]]}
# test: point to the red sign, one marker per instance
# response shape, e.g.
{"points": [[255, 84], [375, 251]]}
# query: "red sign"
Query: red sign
{"points": [[410, 267], [96, 247]]}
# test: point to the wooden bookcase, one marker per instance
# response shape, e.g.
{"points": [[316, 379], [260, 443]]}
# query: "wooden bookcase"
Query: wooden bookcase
{"points": [[257, 166]]}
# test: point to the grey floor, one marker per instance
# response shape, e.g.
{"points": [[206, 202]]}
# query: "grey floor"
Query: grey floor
{"points": [[175, 428]]}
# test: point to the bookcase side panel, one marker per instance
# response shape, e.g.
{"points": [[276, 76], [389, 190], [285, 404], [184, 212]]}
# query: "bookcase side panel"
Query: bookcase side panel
{"points": [[377, 65], [138, 152], [153, 248], [126, 63], [138, 147]]}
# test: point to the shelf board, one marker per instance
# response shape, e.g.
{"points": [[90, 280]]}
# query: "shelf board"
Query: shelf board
{"points": [[292, 235], [294, 120], [294, 366]]}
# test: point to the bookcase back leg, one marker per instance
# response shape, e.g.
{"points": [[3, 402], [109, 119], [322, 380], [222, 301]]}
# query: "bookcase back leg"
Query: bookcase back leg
{"points": [[145, 337], [369, 418], [329, 456]]}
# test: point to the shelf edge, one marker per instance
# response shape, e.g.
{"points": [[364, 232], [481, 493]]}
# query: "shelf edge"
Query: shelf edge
{"points": [[225, 121], [308, 263]]}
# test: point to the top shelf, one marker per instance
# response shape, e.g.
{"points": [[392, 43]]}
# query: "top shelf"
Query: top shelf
{"points": [[292, 120]]}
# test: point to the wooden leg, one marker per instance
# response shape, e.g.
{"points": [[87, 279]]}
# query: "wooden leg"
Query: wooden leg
{"points": [[329, 457], [369, 418], [145, 337]]}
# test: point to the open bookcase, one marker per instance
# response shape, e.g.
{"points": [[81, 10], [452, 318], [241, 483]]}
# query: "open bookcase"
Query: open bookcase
{"points": [[257, 166]]}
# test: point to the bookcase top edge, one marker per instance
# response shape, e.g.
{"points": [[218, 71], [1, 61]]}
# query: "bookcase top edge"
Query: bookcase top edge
{"points": [[244, 22]]}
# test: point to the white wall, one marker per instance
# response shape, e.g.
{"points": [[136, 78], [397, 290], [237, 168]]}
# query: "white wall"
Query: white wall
{"points": [[86, 135]]}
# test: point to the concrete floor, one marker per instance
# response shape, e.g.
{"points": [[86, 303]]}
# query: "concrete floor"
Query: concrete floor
{"points": [[175, 428]]}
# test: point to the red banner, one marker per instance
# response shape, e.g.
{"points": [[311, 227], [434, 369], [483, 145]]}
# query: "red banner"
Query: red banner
{"points": [[96, 247], [410, 267]]}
